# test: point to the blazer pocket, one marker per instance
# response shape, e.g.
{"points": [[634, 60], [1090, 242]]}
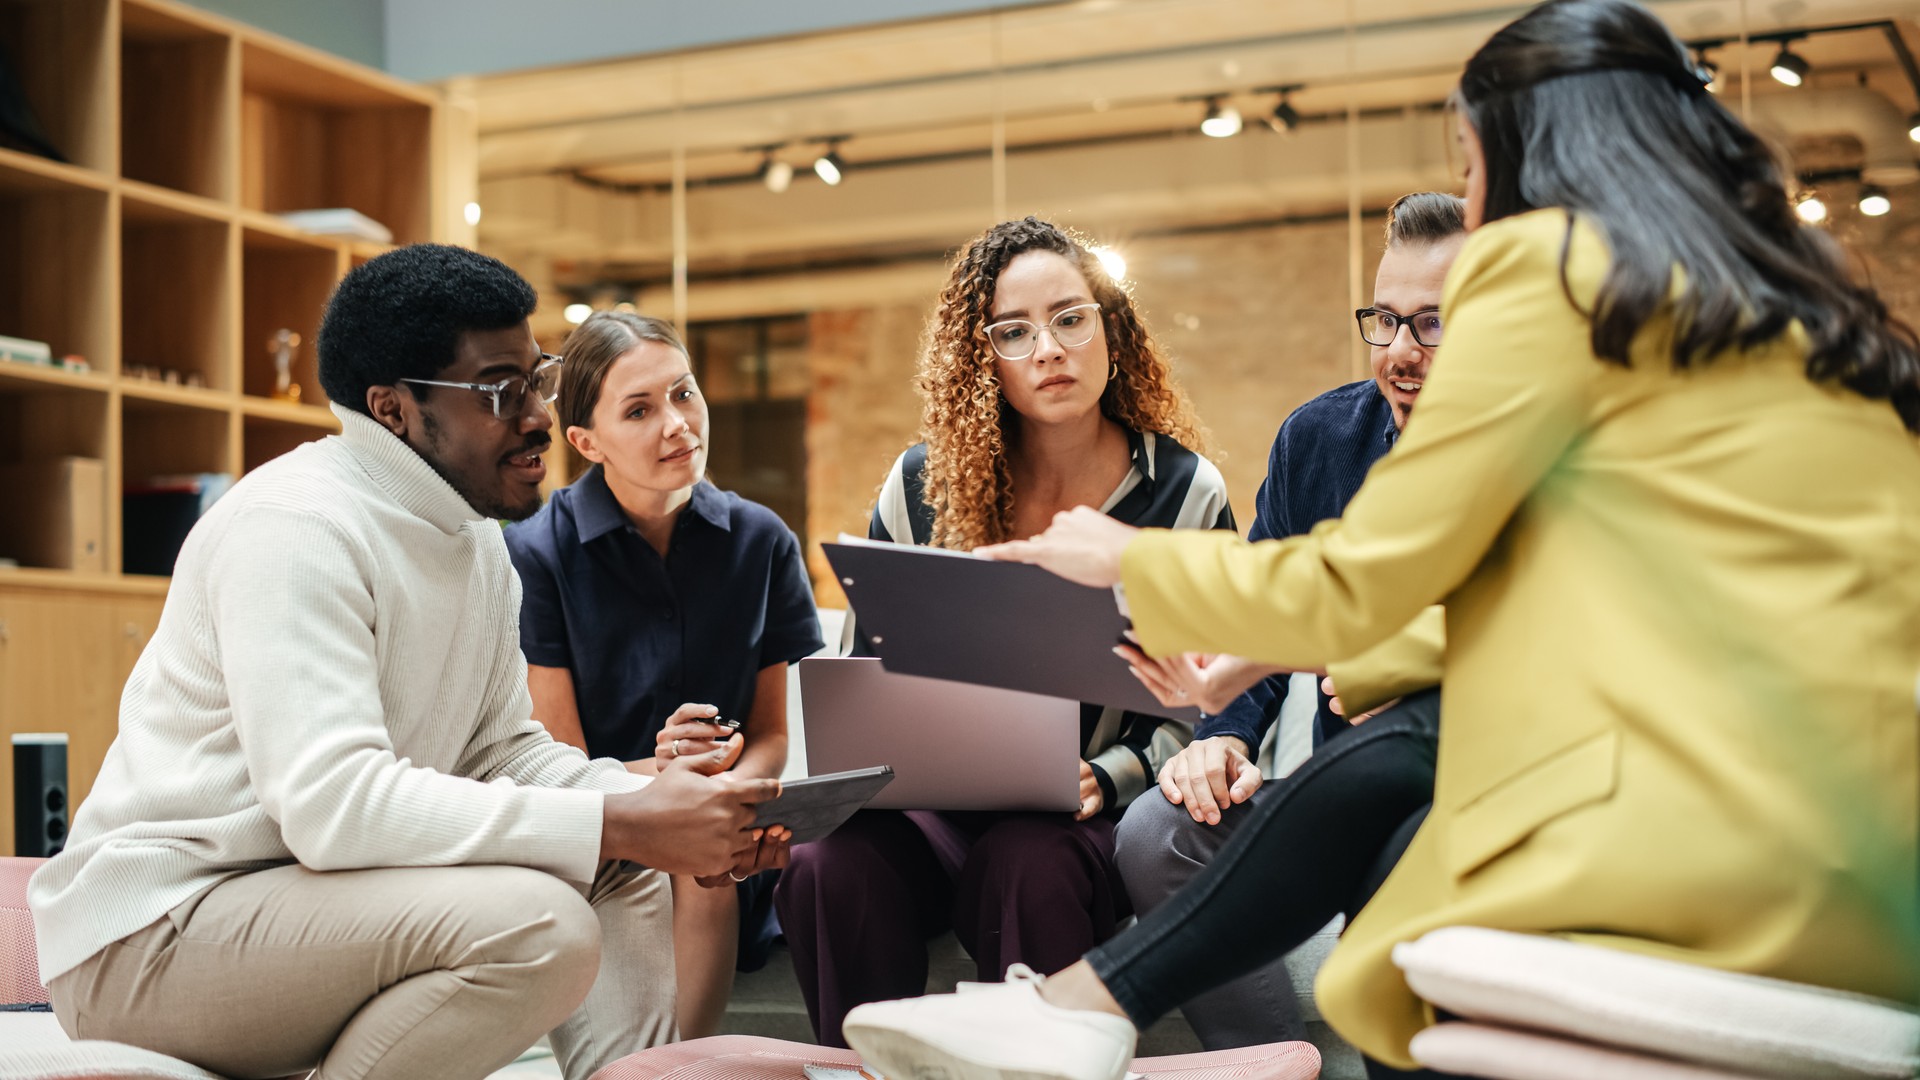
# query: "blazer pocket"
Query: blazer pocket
{"points": [[1504, 815]]}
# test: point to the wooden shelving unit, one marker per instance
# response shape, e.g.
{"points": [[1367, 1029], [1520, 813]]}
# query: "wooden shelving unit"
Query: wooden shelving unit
{"points": [[156, 247]]}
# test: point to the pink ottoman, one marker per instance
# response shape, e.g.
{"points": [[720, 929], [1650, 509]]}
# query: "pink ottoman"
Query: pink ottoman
{"points": [[748, 1057]]}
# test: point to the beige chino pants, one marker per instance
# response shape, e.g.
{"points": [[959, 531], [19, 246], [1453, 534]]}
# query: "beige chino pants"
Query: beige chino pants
{"points": [[397, 974]]}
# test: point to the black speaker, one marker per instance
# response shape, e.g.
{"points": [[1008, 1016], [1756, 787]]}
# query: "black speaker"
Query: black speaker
{"points": [[39, 795]]}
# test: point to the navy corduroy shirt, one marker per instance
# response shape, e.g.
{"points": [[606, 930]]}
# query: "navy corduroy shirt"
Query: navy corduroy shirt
{"points": [[1319, 459], [644, 635]]}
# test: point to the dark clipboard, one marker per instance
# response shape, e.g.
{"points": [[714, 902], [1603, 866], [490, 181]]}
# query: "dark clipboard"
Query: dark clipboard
{"points": [[813, 806], [946, 615]]}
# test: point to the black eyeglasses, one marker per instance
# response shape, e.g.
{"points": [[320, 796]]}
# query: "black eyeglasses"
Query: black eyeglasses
{"points": [[1379, 328], [510, 393]]}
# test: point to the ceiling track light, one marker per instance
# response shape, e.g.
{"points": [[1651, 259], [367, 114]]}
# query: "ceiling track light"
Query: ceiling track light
{"points": [[1810, 208], [1284, 119], [830, 166], [1913, 127], [1873, 201], [1222, 120], [773, 172], [1789, 68]]}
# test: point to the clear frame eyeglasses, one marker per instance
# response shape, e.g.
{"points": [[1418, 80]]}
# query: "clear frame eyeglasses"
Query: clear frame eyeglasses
{"points": [[510, 393], [1378, 328], [1015, 339]]}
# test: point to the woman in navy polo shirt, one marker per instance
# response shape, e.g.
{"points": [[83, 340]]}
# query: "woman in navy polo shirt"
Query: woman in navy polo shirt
{"points": [[653, 603], [1042, 391]]}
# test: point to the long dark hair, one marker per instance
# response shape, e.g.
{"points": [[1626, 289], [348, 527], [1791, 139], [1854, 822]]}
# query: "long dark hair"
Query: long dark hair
{"points": [[1593, 106]]}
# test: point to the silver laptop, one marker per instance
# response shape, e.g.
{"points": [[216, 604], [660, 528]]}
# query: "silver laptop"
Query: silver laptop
{"points": [[952, 745]]}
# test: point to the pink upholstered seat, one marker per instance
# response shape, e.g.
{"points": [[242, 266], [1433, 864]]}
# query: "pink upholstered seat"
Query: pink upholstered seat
{"points": [[747, 1057], [19, 959]]}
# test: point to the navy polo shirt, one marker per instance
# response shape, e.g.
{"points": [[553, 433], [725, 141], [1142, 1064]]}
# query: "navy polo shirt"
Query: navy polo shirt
{"points": [[1319, 459], [644, 635]]}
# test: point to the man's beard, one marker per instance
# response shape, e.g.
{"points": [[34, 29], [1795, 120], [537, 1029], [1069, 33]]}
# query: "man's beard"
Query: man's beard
{"points": [[482, 505]]}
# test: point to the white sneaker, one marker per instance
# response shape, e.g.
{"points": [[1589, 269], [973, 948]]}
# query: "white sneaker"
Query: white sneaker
{"points": [[1001, 1032]]}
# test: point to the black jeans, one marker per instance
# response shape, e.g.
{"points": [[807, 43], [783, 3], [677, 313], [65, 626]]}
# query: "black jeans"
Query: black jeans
{"points": [[1320, 847]]}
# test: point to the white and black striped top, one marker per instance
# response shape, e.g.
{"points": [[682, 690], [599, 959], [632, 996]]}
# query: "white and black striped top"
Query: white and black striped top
{"points": [[1169, 487]]}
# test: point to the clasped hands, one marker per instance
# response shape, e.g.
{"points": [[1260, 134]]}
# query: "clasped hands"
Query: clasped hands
{"points": [[696, 818]]}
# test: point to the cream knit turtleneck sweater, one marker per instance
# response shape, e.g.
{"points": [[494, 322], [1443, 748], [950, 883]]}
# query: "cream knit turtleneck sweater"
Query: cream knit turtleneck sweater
{"points": [[336, 680]]}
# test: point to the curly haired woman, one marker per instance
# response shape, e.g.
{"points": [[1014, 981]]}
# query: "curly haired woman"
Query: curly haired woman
{"points": [[1042, 391]]}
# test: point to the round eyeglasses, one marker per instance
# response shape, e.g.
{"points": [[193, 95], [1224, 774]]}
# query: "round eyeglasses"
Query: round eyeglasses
{"points": [[1015, 339], [1379, 328], [510, 393]]}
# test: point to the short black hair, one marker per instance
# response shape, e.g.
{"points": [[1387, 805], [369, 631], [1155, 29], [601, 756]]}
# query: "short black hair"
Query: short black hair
{"points": [[400, 316], [1425, 217]]}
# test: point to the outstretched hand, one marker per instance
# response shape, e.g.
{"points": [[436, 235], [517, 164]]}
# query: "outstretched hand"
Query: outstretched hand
{"points": [[1082, 545], [1209, 683]]}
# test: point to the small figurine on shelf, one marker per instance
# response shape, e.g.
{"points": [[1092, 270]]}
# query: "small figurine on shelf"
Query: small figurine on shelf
{"points": [[282, 344]]}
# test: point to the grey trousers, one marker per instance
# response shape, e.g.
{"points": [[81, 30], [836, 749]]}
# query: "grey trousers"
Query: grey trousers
{"points": [[1159, 848], [390, 974]]}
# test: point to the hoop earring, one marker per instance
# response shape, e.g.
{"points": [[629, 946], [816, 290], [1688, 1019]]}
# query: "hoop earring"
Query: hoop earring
{"points": [[1113, 370]]}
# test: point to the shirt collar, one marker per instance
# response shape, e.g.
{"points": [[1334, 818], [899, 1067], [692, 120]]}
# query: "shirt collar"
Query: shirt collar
{"points": [[1392, 432], [596, 512], [402, 473], [712, 506], [1140, 449]]}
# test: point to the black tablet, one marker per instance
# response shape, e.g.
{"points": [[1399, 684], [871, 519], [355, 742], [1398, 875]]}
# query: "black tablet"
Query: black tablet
{"points": [[814, 806]]}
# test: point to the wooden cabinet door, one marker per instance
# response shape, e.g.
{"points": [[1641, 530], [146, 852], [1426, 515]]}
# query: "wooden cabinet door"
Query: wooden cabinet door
{"points": [[59, 673]]}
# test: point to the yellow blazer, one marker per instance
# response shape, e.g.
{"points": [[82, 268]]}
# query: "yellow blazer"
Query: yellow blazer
{"points": [[1682, 631]]}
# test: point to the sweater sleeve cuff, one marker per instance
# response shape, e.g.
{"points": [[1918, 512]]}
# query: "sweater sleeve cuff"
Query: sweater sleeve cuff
{"points": [[1122, 772], [563, 831], [1234, 722]]}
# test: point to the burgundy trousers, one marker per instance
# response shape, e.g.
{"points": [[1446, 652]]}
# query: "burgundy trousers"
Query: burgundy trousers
{"points": [[858, 907]]}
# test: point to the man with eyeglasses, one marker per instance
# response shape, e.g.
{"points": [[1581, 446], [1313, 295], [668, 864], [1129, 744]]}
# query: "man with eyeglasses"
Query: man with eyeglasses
{"points": [[1321, 455], [330, 834]]}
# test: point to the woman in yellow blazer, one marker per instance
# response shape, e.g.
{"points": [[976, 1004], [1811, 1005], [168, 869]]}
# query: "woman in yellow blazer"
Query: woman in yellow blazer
{"points": [[1664, 477]]}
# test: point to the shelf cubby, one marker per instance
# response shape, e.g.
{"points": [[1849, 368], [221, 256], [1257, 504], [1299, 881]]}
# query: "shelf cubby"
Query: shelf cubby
{"points": [[265, 437], [63, 234], [176, 291], [167, 438], [177, 107], [285, 280], [62, 53], [170, 437], [313, 138], [45, 415]]}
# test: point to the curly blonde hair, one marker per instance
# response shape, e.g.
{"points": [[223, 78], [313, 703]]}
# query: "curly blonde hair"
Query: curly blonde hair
{"points": [[968, 481]]}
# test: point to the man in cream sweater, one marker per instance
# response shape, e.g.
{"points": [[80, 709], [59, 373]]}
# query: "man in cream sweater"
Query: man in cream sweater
{"points": [[330, 834]]}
